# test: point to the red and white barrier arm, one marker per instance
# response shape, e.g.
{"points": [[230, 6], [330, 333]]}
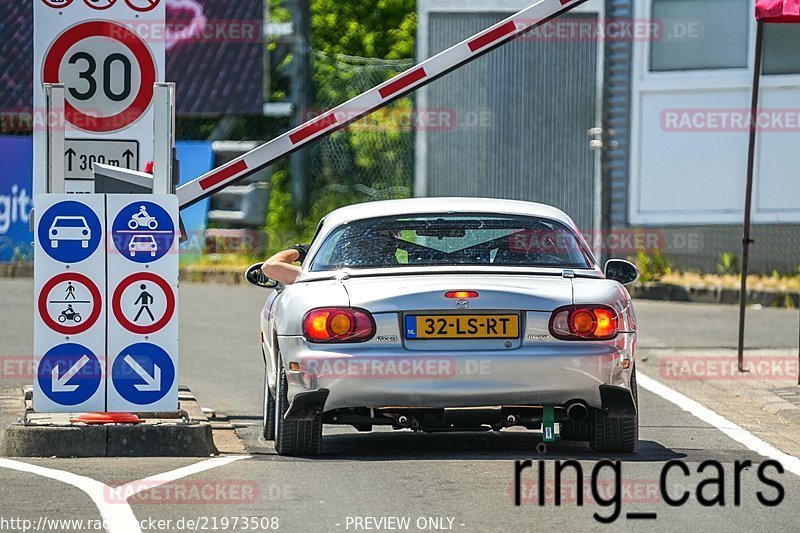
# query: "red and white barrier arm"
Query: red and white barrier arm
{"points": [[373, 99]]}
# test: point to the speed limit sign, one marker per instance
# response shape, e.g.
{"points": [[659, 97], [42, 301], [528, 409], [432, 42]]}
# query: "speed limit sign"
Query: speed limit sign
{"points": [[108, 72], [107, 54]]}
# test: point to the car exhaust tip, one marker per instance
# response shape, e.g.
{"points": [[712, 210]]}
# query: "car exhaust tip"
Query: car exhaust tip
{"points": [[577, 412]]}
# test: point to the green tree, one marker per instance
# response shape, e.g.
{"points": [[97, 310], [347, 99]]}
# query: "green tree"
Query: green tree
{"points": [[357, 44]]}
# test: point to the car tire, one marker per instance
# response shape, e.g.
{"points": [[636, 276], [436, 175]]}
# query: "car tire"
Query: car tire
{"points": [[268, 431], [294, 437], [53, 244], [619, 435], [574, 431]]}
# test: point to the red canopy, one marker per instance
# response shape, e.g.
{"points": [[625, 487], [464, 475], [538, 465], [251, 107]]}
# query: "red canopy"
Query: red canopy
{"points": [[787, 11]]}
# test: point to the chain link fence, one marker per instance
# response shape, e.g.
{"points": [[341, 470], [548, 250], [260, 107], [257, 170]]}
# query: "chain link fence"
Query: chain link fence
{"points": [[373, 158]]}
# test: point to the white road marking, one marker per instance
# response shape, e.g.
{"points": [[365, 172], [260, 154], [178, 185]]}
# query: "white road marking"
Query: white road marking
{"points": [[737, 433], [118, 516], [173, 475]]}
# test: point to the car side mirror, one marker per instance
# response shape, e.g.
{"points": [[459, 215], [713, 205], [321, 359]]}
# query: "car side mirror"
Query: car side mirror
{"points": [[621, 271], [256, 277]]}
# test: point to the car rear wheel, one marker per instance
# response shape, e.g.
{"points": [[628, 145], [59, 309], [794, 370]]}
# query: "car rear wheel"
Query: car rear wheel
{"points": [[268, 431], [294, 437], [574, 431], [620, 435]]}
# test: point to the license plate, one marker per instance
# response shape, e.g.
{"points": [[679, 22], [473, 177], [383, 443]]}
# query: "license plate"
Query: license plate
{"points": [[462, 326]]}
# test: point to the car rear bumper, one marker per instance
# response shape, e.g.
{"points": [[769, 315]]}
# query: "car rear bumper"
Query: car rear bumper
{"points": [[547, 373]]}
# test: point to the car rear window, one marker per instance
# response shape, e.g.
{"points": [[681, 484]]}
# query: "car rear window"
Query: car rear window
{"points": [[451, 240]]}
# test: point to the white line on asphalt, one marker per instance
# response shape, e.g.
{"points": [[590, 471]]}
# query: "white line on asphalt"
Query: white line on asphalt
{"points": [[737, 433], [117, 516], [135, 487]]}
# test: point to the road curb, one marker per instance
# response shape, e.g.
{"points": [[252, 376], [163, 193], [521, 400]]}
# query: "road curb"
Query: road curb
{"points": [[668, 292], [16, 270], [186, 433]]}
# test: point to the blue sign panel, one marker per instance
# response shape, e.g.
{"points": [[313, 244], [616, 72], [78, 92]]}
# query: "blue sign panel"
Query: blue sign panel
{"points": [[197, 158], [69, 231], [143, 373], [16, 198], [143, 232], [69, 374]]}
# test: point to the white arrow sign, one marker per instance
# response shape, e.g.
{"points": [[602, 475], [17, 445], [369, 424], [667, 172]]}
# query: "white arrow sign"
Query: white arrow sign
{"points": [[60, 383], [152, 383]]}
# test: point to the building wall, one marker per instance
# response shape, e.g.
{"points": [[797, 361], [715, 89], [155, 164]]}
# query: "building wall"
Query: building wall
{"points": [[687, 154], [683, 188], [521, 114]]}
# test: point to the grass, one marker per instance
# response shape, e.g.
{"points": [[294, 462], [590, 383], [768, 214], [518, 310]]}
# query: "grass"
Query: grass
{"points": [[731, 281], [236, 262], [225, 262]]}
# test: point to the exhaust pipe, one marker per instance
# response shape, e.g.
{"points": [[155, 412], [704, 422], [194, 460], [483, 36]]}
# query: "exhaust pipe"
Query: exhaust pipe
{"points": [[577, 412]]}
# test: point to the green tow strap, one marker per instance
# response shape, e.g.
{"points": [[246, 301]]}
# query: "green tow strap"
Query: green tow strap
{"points": [[548, 424]]}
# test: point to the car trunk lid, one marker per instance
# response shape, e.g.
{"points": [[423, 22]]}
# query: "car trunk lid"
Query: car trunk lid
{"points": [[382, 294]]}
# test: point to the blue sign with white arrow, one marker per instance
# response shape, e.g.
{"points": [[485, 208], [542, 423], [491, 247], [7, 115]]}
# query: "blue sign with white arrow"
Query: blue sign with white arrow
{"points": [[143, 232], [143, 373], [70, 231], [69, 374]]}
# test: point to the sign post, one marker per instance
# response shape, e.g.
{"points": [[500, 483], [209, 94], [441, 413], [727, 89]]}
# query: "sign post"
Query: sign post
{"points": [[69, 325], [143, 310], [103, 54]]}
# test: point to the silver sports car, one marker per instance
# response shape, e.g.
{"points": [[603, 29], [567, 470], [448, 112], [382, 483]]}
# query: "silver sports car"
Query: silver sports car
{"points": [[451, 314]]}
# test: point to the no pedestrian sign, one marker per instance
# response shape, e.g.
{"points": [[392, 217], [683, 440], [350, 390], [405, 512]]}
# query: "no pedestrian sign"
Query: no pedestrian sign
{"points": [[143, 303]]}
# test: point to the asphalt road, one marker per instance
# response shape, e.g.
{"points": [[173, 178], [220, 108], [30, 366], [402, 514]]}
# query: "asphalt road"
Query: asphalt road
{"points": [[458, 482]]}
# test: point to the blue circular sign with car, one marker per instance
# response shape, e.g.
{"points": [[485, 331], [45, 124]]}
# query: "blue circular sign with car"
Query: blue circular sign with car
{"points": [[143, 232], [69, 231]]}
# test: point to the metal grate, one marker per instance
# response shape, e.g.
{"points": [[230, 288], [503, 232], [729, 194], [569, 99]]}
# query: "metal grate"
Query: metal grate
{"points": [[522, 116]]}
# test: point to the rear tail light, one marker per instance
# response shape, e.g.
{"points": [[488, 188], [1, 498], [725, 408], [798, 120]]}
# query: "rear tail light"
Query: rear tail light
{"points": [[338, 324], [584, 323]]}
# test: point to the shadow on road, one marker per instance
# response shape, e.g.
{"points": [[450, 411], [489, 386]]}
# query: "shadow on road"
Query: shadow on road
{"points": [[406, 445]]}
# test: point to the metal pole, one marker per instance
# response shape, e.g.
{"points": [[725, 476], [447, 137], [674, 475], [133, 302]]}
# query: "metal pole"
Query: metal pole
{"points": [[163, 136], [748, 202], [301, 98], [54, 138]]}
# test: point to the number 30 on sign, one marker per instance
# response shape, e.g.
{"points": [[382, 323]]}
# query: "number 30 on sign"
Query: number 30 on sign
{"points": [[108, 72]]}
